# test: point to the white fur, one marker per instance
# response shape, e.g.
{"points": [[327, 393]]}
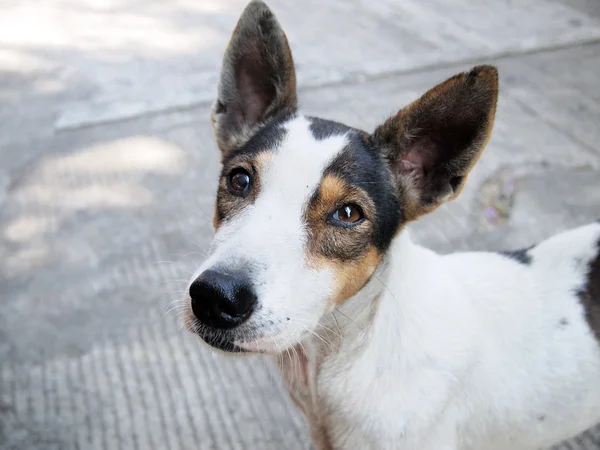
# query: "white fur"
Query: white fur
{"points": [[466, 351], [469, 351], [270, 235]]}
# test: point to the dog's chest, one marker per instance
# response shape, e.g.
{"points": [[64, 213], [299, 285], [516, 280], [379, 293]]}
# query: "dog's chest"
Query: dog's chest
{"points": [[364, 410], [372, 402], [361, 407], [496, 398]]}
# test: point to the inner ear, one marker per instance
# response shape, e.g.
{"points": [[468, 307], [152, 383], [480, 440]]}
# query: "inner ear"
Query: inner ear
{"points": [[255, 81], [418, 162]]}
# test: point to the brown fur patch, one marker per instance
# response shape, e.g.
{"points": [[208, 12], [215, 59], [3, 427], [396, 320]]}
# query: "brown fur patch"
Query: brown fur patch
{"points": [[216, 218], [263, 160], [352, 276], [348, 252], [447, 130]]}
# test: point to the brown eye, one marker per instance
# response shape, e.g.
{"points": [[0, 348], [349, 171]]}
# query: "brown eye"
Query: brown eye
{"points": [[347, 215], [239, 181]]}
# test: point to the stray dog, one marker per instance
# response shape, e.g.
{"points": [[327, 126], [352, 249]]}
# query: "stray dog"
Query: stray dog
{"points": [[476, 351]]}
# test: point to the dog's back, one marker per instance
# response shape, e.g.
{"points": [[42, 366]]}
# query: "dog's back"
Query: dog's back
{"points": [[539, 362]]}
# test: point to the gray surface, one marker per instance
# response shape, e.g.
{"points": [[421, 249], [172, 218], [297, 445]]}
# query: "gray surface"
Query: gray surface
{"points": [[108, 167]]}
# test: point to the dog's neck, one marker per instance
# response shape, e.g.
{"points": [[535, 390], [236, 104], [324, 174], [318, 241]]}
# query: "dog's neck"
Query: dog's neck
{"points": [[370, 338], [382, 309]]}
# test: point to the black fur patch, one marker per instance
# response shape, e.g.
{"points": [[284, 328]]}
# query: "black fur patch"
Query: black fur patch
{"points": [[589, 295], [266, 138], [323, 129], [221, 344], [360, 164], [521, 255]]}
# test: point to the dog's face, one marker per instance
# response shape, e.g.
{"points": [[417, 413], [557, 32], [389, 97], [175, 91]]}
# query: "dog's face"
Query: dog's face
{"points": [[306, 208], [305, 211]]}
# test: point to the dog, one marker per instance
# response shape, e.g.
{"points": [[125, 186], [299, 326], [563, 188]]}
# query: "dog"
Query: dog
{"points": [[384, 344]]}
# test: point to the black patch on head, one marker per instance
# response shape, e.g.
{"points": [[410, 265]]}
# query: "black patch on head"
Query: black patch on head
{"points": [[589, 295], [521, 255], [323, 129], [563, 322], [360, 164], [267, 138]]}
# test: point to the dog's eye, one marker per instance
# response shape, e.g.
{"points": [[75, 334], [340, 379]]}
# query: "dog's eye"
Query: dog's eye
{"points": [[239, 182], [347, 215]]}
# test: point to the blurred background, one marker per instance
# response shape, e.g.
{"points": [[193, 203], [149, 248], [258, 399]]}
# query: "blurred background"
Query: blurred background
{"points": [[108, 169]]}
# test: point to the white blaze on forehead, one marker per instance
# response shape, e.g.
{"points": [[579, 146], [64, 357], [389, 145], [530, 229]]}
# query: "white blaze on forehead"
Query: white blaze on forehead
{"points": [[297, 168], [275, 235], [275, 221]]}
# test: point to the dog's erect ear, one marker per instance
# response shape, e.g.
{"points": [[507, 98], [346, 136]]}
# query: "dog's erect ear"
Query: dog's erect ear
{"points": [[258, 80], [433, 143]]}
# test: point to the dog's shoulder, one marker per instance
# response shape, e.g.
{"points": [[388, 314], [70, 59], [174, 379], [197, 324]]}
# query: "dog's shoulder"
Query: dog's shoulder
{"points": [[572, 259], [576, 249]]}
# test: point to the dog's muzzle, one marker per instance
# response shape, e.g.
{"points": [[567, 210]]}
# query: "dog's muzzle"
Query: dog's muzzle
{"points": [[222, 300]]}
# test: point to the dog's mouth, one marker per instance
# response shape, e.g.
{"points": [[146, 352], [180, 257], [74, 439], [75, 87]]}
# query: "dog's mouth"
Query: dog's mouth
{"points": [[265, 345], [236, 342], [223, 344], [220, 340], [233, 341], [245, 338], [260, 345]]}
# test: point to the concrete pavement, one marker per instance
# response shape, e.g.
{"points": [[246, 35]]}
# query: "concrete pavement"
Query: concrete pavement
{"points": [[108, 169]]}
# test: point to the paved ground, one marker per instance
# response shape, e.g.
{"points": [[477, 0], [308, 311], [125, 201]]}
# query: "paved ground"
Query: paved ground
{"points": [[107, 172]]}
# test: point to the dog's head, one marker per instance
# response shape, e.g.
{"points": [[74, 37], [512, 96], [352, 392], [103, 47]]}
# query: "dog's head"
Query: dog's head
{"points": [[306, 208]]}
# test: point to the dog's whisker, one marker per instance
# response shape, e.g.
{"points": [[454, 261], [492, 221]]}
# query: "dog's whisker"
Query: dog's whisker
{"points": [[201, 247], [347, 317], [164, 262], [336, 322], [386, 287], [306, 328], [175, 280], [177, 309]]}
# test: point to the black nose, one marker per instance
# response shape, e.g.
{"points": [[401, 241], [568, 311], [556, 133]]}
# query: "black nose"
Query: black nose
{"points": [[222, 300]]}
